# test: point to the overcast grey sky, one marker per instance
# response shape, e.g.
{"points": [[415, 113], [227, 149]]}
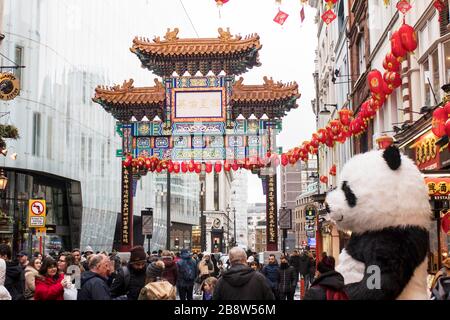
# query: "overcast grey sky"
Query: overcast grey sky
{"points": [[287, 53]]}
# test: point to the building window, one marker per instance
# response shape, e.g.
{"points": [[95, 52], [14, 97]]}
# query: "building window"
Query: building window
{"points": [[341, 17], [447, 61], [436, 86], [49, 137], [361, 55], [18, 59], [83, 151], [90, 155], [427, 82], [36, 134]]}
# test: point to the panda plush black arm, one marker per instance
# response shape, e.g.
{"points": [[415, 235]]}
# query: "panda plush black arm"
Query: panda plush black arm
{"points": [[396, 260]]}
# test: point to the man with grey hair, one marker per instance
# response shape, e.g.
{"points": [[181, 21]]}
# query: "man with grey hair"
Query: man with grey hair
{"points": [[94, 284], [241, 282]]}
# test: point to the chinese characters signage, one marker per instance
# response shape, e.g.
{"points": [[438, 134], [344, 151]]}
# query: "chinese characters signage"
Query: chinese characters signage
{"points": [[127, 209], [271, 213], [438, 188]]}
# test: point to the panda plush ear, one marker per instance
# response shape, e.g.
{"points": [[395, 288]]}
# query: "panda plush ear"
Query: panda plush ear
{"points": [[392, 157]]}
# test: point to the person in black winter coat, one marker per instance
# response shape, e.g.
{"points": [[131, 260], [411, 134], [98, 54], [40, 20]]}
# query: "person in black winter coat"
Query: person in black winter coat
{"points": [[240, 282], [131, 279], [288, 280], [15, 275], [94, 282], [270, 271], [327, 281]]}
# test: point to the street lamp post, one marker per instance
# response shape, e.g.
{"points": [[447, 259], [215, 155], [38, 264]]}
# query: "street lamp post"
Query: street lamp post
{"points": [[168, 211], [234, 213], [202, 218], [228, 210]]}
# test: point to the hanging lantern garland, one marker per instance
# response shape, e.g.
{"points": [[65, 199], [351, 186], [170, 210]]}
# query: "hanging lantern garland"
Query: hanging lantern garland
{"points": [[403, 41]]}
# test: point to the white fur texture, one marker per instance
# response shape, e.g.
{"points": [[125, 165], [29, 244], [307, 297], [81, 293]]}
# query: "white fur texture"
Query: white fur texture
{"points": [[351, 269], [385, 197]]}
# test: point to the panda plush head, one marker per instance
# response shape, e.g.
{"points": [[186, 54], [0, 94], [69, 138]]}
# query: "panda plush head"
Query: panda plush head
{"points": [[379, 189]]}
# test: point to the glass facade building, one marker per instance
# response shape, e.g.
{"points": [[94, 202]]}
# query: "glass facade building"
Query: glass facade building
{"points": [[67, 147]]}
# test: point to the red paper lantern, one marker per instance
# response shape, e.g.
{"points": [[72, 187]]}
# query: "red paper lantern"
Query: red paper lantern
{"points": [[184, 167], [198, 167], [393, 79], [170, 167], [397, 48], [335, 127], [387, 89], [208, 167], [384, 142], [345, 116], [227, 166], [159, 168], [221, 2], [447, 127], [176, 167], [128, 160], [391, 63], [330, 142], [445, 222], [447, 108], [322, 133], [235, 166], [333, 170], [324, 179], [375, 80], [408, 37], [191, 166], [315, 140], [218, 166], [284, 160], [438, 122]]}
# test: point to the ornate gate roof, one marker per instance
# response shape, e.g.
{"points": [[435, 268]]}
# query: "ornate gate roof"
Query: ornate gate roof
{"points": [[232, 54]]}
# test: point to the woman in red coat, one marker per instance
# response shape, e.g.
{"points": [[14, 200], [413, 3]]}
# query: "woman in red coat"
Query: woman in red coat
{"points": [[49, 283]]}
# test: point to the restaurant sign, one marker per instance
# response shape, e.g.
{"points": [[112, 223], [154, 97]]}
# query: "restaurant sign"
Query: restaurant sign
{"points": [[271, 211]]}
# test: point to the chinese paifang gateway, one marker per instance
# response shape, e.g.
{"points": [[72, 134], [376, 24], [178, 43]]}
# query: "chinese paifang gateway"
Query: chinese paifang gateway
{"points": [[211, 103]]}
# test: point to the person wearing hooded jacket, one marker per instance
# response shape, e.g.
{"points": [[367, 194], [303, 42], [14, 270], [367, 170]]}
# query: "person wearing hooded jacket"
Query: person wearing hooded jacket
{"points": [[241, 282], [326, 279]]}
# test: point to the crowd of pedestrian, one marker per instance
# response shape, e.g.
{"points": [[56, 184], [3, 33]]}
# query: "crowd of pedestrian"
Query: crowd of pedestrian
{"points": [[166, 275]]}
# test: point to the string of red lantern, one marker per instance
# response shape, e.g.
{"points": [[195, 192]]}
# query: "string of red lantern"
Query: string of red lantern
{"points": [[403, 41]]}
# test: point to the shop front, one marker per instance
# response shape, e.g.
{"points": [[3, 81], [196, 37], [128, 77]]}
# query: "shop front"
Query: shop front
{"points": [[63, 212], [432, 157]]}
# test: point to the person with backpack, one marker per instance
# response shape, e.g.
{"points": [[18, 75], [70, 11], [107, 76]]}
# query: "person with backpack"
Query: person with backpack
{"points": [[156, 287], [328, 284], [440, 287], [187, 273], [130, 279]]}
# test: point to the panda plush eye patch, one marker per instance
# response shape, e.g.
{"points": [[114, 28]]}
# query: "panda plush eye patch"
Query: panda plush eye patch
{"points": [[349, 195], [392, 157]]}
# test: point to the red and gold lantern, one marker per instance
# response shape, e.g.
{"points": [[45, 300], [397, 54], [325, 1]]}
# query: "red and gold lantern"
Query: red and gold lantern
{"points": [[345, 116], [393, 79], [218, 166], [322, 133], [176, 167], [284, 160], [440, 117], [408, 37], [191, 166], [333, 170], [397, 48], [235, 166], [208, 167], [391, 63], [375, 80], [324, 179]]}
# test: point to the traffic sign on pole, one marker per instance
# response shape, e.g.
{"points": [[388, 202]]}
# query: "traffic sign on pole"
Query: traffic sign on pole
{"points": [[36, 213]]}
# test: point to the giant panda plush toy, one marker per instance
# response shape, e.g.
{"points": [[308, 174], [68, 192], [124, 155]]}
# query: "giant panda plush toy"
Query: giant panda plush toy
{"points": [[383, 200]]}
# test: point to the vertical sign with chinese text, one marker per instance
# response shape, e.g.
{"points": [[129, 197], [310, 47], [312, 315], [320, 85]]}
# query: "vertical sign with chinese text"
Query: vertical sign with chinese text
{"points": [[127, 209], [271, 213]]}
